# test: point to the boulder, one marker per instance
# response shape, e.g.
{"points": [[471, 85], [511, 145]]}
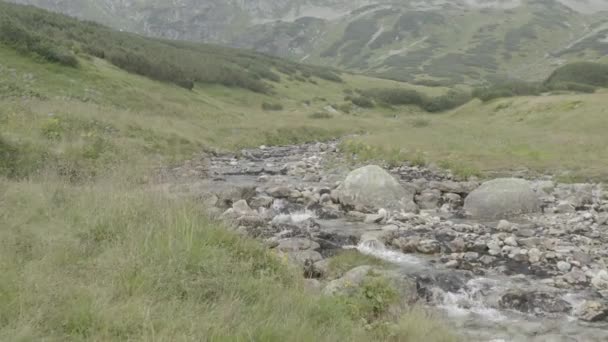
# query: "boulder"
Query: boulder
{"points": [[371, 188], [592, 311], [429, 199], [502, 198], [534, 302]]}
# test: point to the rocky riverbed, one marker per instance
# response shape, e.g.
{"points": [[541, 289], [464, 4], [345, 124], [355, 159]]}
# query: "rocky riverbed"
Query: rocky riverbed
{"points": [[504, 260]]}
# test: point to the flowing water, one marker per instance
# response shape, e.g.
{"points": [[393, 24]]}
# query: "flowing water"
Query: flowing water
{"points": [[475, 312]]}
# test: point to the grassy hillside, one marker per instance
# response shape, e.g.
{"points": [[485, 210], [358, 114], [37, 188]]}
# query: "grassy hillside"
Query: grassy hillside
{"points": [[451, 43]]}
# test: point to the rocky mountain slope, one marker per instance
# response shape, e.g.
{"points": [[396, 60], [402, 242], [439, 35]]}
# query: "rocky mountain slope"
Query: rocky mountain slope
{"points": [[455, 41]]}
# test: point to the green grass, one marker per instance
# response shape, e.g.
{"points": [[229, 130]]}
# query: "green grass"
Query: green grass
{"points": [[349, 259], [550, 134]]}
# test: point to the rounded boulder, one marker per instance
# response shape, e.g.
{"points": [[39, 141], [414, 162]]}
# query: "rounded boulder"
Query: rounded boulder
{"points": [[370, 188], [501, 199]]}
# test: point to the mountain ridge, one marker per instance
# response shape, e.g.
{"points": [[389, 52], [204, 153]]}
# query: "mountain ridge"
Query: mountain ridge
{"points": [[465, 41]]}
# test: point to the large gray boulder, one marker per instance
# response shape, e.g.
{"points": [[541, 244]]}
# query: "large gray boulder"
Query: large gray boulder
{"points": [[370, 188], [502, 198]]}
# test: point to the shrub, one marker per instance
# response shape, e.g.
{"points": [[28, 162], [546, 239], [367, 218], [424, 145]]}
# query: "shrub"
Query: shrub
{"points": [[420, 122], [586, 73], [362, 102], [452, 99], [508, 89], [396, 96], [571, 86], [345, 108], [320, 115], [272, 106]]}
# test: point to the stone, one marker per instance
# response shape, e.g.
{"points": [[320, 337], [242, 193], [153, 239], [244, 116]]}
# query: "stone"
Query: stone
{"points": [[454, 200], [428, 246], [279, 192], [534, 302], [564, 266], [471, 256], [355, 216], [504, 226], [600, 280], [261, 201], [241, 208], [233, 194], [305, 257], [564, 207], [511, 241], [349, 282], [487, 260], [534, 255], [502, 198], [322, 267], [429, 199], [457, 245], [451, 264], [592, 311], [371, 188]]}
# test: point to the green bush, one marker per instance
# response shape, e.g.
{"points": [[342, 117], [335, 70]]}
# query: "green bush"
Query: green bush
{"points": [[585, 73], [571, 86], [362, 102], [396, 96], [26, 41], [320, 115], [272, 106], [508, 89], [452, 99]]}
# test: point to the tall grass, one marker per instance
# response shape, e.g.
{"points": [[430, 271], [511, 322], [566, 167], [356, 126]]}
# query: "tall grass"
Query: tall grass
{"points": [[114, 262]]}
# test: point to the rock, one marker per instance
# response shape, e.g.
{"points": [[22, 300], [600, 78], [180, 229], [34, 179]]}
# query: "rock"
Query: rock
{"points": [[296, 244], [564, 207], [280, 192], [534, 302], [600, 280], [454, 200], [349, 282], [504, 226], [371, 188], [564, 266], [592, 311], [454, 187], [428, 246], [451, 264], [322, 267], [534, 255], [511, 241], [502, 198], [355, 216], [261, 202], [304, 258], [251, 221], [487, 260], [471, 256], [241, 208], [233, 194], [429, 199], [457, 245], [325, 198]]}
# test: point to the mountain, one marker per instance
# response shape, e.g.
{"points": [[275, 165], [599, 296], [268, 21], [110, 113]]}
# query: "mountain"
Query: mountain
{"points": [[448, 41]]}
